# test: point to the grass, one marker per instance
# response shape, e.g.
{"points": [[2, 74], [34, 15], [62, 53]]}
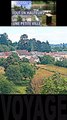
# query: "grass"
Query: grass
{"points": [[45, 71], [21, 89], [37, 81]]}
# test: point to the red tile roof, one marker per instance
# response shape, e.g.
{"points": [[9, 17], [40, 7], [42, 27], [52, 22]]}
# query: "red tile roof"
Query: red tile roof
{"points": [[23, 52]]}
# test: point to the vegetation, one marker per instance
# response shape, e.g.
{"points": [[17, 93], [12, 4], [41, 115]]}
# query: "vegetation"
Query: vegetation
{"points": [[20, 76], [6, 86], [43, 76], [46, 59], [25, 60], [55, 85], [24, 43], [45, 81], [19, 19], [29, 44], [62, 63], [16, 8]]}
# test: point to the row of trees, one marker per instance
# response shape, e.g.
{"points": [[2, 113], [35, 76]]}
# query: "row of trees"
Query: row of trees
{"points": [[24, 43], [34, 45], [28, 44], [59, 47], [46, 59]]}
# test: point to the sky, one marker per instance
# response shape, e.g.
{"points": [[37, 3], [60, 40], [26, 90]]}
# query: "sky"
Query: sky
{"points": [[26, 4], [55, 35]]}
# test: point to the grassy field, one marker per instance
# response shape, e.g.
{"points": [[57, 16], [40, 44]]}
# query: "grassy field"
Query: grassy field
{"points": [[45, 71]]}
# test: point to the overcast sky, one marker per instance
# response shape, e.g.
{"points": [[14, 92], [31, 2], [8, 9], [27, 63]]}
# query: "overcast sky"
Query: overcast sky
{"points": [[54, 35]]}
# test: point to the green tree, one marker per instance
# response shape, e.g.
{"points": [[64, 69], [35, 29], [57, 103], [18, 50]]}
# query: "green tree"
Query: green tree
{"points": [[4, 39], [13, 73], [20, 72], [25, 60], [12, 58], [16, 8], [28, 70], [22, 44], [19, 19], [62, 63], [55, 85], [6, 86], [46, 59]]}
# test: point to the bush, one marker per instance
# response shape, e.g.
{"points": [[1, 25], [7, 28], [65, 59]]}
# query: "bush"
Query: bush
{"points": [[13, 73], [62, 63], [47, 59], [6, 86], [55, 85]]}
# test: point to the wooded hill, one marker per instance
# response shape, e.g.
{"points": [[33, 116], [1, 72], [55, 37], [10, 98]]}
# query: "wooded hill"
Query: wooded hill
{"points": [[24, 43]]}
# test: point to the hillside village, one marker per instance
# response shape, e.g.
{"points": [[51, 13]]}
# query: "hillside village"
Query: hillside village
{"points": [[32, 66], [33, 56]]}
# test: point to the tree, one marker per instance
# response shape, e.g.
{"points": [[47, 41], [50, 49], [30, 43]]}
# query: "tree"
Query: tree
{"points": [[23, 42], [25, 60], [6, 86], [55, 85], [12, 58], [62, 63], [4, 39], [13, 73], [46, 59], [17, 8], [28, 70], [54, 5], [38, 45], [19, 19], [18, 73], [45, 47], [48, 47]]}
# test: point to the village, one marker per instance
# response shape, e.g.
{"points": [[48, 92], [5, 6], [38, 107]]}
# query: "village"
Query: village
{"points": [[33, 56]]}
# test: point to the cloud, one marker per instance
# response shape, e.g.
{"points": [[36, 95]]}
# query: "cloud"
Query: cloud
{"points": [[13, 3]]}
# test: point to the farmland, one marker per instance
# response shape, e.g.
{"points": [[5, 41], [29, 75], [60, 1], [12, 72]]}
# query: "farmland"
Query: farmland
{"points": [[45, 71], [42, 72]]}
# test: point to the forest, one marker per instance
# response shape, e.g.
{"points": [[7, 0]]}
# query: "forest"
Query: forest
{"points": [[29, 44]]}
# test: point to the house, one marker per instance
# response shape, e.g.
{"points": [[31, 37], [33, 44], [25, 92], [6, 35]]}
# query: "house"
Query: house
{"points": [[36, 53], [23, 53], [33, 60], [57, 55]]}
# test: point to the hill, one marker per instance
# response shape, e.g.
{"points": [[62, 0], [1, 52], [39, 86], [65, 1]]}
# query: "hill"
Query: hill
{"points": [[45, 71]]}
